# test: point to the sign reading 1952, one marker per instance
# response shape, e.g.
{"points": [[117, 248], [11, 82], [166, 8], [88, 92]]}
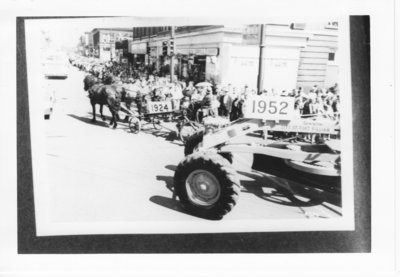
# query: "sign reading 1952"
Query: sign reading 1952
{"points": [[269, 107]]}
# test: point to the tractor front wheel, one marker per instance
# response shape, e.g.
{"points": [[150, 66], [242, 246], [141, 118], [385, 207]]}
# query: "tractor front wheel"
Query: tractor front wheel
{"points": [[207, 185]]}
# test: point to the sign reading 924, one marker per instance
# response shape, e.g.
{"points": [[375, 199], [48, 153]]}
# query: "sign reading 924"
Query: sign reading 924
{"points": [[269, 107], [159, 107]]}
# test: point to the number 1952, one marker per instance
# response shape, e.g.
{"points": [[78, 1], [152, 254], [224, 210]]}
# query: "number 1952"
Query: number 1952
{"points": [[271, 107]]}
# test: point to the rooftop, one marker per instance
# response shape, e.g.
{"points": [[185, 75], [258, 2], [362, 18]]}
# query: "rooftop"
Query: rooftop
{"points": [[113, 29]]}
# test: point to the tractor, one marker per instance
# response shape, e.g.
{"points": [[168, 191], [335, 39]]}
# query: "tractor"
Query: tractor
{"points": [[207, 183]]}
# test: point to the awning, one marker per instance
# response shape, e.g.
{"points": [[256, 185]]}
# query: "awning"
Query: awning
{"points": [[198, 51]]}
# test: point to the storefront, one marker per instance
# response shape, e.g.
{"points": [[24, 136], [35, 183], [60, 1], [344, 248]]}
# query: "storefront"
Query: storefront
{"points": [[139, 52], [231, 56], [121, 51], [152, 59], [196, 64]]}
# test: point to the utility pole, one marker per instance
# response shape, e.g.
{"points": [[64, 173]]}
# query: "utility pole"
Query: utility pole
{"points": [[171, 64], [260, 80], [110, 42]]}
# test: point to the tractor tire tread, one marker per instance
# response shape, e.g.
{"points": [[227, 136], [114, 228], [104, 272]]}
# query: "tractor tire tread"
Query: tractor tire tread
{"points": [[226, 175]]}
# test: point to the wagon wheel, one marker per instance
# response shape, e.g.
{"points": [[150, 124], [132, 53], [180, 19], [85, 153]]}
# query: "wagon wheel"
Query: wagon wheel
{"points": [[207, 185], [134, 125], [156, 122]]}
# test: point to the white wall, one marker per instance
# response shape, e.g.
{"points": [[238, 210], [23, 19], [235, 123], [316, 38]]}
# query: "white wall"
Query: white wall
{"points": [[280, 74], [281, 65], [240, 65], [332, 75]]}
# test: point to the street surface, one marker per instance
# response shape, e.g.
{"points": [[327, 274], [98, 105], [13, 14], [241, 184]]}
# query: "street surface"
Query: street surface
{"points": [[99, 174]]}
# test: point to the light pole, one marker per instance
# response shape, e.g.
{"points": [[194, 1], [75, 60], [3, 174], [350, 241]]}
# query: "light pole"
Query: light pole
{"points": [[260, 79], [110, 50], [171, 64]]}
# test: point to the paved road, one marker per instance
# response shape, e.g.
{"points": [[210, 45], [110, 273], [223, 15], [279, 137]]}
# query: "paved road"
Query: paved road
{"points": [[98, 174]]}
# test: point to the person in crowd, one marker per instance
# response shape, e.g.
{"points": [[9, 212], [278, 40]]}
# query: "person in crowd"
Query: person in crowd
{"points": [[185, 102], [328, 111], [318, 106], [300, 91], [222, 111], [230, 96], [224, 100], [298, 108], [335, 88], [108, 79], [189, 90], [215, 104], [306, 101], [217, 90], [237, 107], [177, 95], [330, 95], [207, 99], [196, 96], [203, 91], [336, 107]]}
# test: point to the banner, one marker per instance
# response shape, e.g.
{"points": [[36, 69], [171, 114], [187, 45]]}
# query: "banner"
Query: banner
{"points": [[138, 48]]}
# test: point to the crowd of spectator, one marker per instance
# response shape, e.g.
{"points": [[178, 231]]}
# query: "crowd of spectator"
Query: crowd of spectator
{"points": [[227, 101]]}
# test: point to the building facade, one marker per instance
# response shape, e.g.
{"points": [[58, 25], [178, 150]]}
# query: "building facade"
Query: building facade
{"points": [[295, 54], [105, 39]]}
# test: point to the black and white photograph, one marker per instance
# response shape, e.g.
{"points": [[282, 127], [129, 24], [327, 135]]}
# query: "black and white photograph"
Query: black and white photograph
{"points": [[197, 128], [199, 138]]}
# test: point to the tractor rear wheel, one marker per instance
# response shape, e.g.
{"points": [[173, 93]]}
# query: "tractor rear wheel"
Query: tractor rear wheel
{"points": [[207, 185]]}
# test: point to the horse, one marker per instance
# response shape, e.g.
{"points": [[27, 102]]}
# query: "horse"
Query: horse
{"points": [[104, 95], [92, 83]]}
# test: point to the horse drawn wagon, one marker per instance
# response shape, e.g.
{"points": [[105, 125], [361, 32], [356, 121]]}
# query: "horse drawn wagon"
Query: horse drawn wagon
{"points": [[185, 116], [153, 113]]}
